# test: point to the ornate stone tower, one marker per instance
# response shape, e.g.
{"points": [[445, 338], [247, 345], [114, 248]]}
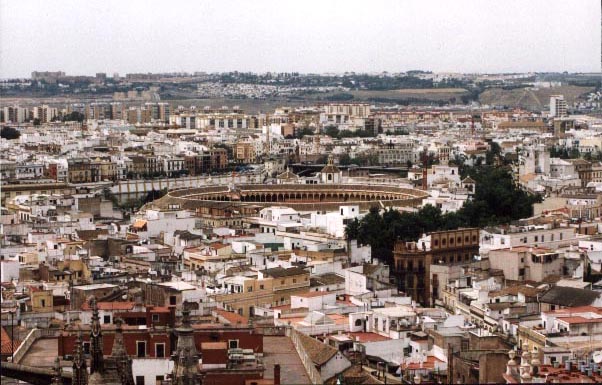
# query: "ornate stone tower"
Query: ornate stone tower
{"points": [[120, 356], [80, 369], [97, 360], [115, 369], [186, 359], [58, 373]]}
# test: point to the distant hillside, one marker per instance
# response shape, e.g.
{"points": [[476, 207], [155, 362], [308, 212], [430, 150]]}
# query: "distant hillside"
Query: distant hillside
{"points": [[530, 98]]}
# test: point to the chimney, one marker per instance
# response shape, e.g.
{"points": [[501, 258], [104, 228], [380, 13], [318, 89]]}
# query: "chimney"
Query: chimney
{"points": [[277, 374]]}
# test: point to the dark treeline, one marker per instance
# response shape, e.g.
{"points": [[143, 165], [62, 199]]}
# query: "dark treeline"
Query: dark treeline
{"points": [[496, 201]]}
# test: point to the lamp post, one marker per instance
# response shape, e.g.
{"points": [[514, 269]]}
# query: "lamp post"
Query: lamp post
{"points": [[12, 335]]}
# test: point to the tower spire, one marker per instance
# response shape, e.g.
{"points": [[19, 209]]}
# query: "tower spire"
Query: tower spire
{"points": [[80, 373], [186, 359], [97, 359], [58, 373], [120, 356]]}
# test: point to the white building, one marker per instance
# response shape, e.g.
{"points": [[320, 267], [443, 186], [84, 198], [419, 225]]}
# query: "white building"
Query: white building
{"points": [[557, 106]]}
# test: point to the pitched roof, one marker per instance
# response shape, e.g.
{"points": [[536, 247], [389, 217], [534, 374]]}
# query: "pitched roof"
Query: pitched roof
{"points": [[187, 235], [326, 279], [288, 175], [527, 291], [5, 342], [570, 296], [278, 272], [317, 351]]}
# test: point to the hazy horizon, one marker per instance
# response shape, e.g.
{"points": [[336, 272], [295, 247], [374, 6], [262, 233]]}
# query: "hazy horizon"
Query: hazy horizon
{"points": [[467, 36]]}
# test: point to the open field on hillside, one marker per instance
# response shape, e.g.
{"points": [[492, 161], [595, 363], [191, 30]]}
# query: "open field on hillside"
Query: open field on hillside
{"points": [[434, 94], [533, 99]]}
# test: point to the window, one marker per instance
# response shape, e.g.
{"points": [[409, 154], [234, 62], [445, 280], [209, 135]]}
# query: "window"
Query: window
{"points": [[282, 282], [107, 319], [86, 347], [141, 349], [139, 380], [160, 350], [159, 380], [172, 299], [294, 280], [250, 289], [260, 287], [232, 344], [155, 317]]}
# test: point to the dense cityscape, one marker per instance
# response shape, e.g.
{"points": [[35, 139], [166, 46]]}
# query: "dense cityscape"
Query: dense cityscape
{"points": [[268, 228]]}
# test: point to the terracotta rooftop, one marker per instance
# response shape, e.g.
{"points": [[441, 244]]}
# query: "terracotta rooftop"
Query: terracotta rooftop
{"points": [[5, 345], [577, 309], [230, 317], [367, 337]]}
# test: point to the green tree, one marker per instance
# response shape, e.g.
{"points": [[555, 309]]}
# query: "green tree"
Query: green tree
{"points": [[74, 116], [352, 229], [304, 131], [497, 200], [9, 133], [332, 131]]}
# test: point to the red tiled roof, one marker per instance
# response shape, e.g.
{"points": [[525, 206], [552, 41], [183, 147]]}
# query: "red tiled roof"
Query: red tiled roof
{"points": [[5, 343], [579, 320], [232, 318], [429, 364], [368, 337], [576, 309]]}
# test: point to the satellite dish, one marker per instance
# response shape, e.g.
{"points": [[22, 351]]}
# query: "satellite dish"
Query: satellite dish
{"points": [[597, 356]]}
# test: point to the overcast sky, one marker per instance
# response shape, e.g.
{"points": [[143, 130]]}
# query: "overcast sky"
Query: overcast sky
{"points": [[85, 37]]}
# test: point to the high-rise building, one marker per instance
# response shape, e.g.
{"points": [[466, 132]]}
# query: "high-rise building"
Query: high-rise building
{"points": [[15, 114], [45, 113], [557, 106]]}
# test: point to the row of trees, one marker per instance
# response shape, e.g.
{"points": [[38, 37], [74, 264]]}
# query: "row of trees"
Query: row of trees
{"points": [[496, 201]]}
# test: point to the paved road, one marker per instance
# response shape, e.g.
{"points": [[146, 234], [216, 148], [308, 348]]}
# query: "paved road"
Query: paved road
{"points": [[280, 350]]}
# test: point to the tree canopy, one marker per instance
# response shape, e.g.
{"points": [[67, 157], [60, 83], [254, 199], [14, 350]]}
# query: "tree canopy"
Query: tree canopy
{"points": [[496, 201], [9, 133]]}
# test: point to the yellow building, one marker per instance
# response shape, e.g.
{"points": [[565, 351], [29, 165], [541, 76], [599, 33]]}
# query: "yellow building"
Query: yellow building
{"points": [[272, 287], [41, 301]]}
